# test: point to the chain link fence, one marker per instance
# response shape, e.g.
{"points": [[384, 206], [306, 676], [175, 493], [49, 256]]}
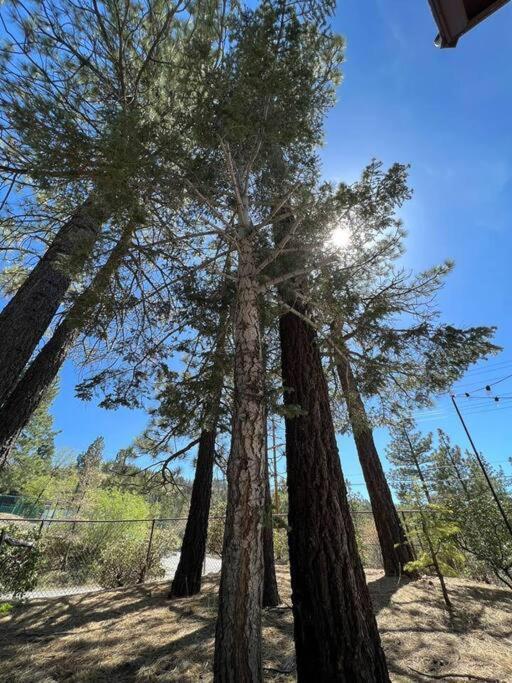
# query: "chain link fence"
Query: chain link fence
{"points": [[80, 556], [19, 506]]}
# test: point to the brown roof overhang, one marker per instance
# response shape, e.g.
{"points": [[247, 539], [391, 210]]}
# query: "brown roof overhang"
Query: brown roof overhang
{"points": [[456, 17]]}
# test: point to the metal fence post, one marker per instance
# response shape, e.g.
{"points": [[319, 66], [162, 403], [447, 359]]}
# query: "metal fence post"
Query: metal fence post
{"points": [[148, 553]]}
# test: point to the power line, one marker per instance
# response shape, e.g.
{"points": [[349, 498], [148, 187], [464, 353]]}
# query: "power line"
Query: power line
{"points": [[484, 470], [442, 415], [487, 387], [490, 369]]}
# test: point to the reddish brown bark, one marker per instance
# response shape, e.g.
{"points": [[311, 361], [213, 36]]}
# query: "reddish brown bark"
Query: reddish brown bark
{"points": [[335, 631], [35, 382], [187, 580], [238, 629], [28, 314], [395, 548]]}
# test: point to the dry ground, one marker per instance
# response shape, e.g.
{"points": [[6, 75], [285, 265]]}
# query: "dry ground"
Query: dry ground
{"points": [[136, 635]]}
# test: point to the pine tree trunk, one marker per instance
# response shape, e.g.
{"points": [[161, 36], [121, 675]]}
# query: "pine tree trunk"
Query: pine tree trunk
{"points": [[418, 468], [270, 590], [35, 382], [187, 580], [238, 630], [30, 390], [336, 636], [395, 548], [26, 317]]}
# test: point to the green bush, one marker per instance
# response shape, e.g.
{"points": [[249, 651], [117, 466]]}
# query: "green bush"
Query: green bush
{"points": [[121, 563], [67, 558], [110, 554], [5, 608], [216, 528], [280, 544], [126, 561], [18, 565]]}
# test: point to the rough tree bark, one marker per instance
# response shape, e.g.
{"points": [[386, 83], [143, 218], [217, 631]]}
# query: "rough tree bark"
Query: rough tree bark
{"points": [[238, 630], [395, 548], [336, 636], [26, 317], [187, 580], [335, 632], [29, 391]]}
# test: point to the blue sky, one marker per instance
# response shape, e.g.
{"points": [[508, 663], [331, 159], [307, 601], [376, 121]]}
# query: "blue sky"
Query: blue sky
{"points": [[448, 114]]}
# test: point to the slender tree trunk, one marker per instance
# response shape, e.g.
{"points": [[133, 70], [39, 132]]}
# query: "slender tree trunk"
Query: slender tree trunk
{"points": [[26, 317], [336, 636], [395, 548], [35, 382], [418, 468], [187, 580], [238, 630], [435, 563], [270, 590]]}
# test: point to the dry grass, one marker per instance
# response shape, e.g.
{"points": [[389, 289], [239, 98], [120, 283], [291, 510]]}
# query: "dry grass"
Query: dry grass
{"points": [[136, 635]]}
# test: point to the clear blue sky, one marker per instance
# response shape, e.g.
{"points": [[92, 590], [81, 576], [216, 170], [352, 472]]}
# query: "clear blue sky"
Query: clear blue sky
{"points": [[449, 114]]}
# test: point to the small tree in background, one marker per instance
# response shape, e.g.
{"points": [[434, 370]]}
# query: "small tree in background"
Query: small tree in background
{"points": [[34, 450], [434, 524], [411, 455], [460, 485]]}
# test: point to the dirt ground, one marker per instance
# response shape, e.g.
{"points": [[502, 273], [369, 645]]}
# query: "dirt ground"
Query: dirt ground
{"points": [[136, 635]]}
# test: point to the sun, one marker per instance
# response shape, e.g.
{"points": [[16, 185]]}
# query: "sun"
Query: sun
{"points": [[340, 238]]}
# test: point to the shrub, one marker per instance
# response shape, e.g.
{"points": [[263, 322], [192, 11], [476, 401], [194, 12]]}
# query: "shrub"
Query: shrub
{"points": [[126, 561], [18, 565], [280, 544], [121, 563], [216, 528]]}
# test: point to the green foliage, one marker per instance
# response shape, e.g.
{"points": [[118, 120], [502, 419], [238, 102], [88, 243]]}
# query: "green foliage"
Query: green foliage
{"points": [[410, 454], [114, 503], [5, 608], [126, 561], [92, 457], [461, 485], [280, 543], [216, 527], [111, 554], [436, 523], [34, 449], [18, 565]]}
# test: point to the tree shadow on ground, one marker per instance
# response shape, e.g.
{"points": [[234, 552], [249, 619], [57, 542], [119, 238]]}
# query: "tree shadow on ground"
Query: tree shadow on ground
{"points": [[135, 634], [383, 589]]}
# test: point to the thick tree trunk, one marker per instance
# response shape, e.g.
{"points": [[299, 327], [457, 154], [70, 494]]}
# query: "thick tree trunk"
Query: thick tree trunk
{"points": [[26, 317], [238, 631], [29, 391], [336, 637], [270, 590], [187, 580], [395, 548]]}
